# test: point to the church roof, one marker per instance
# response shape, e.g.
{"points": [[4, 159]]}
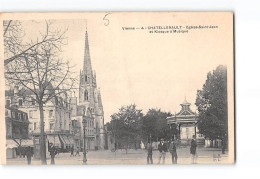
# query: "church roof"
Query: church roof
{"points": [[87, 61]]}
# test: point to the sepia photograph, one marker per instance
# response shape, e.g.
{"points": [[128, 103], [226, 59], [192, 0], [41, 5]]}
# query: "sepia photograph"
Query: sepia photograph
{"points": [[117, 88]]}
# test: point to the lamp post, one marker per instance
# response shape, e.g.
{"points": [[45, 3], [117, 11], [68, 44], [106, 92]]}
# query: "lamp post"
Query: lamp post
{"points": [[84, 122]]}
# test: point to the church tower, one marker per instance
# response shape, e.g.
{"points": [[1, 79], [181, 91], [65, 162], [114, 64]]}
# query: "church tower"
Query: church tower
{"points": [[89, 97]]}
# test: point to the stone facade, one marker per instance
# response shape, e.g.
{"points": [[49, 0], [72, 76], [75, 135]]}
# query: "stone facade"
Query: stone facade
{"points": [[90, 99]]}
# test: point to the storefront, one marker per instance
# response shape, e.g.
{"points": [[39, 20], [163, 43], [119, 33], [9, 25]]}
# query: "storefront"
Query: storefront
{"points": [[11, 148], [67, 142]]}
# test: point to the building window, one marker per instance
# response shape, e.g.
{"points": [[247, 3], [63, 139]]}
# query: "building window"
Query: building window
{"points": [[7, 113], [7, 103], [20, 102], [33, 101], [24, 116], [86, 95], [30, 114], [51, 126], [19, 116], [34, 126], [50, 113], [86, 78], [13, 114], [187, 133]]}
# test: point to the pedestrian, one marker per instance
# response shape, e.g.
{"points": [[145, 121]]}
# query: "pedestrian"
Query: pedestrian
{"points": [[77, 152], [23, 151], [53, 152], [149, 148], [162, 147], [72, 151], [223, 146], [29, 154], [19, 150], [173, 151], [193, 151]]}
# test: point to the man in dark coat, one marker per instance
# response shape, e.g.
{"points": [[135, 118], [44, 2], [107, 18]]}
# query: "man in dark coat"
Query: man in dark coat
{"points": [[162, 147], [29, 154], [173, 151], [193, 148], [149, 148], [53, 152], [23, 151], [72, 151]]}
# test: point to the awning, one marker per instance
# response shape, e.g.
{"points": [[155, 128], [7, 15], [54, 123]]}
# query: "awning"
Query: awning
{"points": [[66, 140], [10, 143], [71, 140], [54, 139], [27, 142]]}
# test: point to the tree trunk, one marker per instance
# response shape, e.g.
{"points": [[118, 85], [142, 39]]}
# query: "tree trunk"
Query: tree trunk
{"points": [[42, 136]]}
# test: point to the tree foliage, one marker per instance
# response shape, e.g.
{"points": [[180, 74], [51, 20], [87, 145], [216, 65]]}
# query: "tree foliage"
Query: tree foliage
{"points": [[211, 102], [129, 126], [155, 125], [126, 126]]}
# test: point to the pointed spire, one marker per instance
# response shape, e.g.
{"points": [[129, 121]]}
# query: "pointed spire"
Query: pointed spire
{"points": [[99, 99], [87, 68], [94, 78]]}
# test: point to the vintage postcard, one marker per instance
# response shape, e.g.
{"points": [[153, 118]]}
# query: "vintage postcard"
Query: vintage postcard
{"points": [[117, 88]]}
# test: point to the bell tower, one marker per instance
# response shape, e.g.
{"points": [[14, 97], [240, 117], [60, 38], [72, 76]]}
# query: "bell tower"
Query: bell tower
{"points": [[90, 97]]}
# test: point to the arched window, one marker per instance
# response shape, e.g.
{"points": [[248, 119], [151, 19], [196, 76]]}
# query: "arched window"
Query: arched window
{"points": [[86, 95]]}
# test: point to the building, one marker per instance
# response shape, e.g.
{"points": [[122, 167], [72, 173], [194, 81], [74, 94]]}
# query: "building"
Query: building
{"points": [[90, 98], [17, 133], [57, 117], [186, 123], [88, 103]]}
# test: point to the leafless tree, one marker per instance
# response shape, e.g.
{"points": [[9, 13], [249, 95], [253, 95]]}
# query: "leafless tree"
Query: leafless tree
{"points": [[40, 70], [14, 45]]}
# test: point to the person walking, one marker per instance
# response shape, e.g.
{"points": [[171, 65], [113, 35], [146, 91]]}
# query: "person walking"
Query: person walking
{"points": [[173, 151], [53, 152], [72, 151], [223, 146], [77, 152], [23, 151], [29, 155], [149, 148], [162, 147], [193, 149], [19, 151]]}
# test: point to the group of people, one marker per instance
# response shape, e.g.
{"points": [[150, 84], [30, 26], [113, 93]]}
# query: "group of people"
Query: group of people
{"points": [[163, 148], [27, 152], [72, 151]]}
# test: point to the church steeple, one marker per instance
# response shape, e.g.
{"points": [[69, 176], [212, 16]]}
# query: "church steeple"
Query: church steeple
{"points": [[87, 67], [90, 97], [99, 99]]}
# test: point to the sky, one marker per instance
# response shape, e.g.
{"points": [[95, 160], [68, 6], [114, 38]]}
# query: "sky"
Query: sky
{"points": [[136, 67]]}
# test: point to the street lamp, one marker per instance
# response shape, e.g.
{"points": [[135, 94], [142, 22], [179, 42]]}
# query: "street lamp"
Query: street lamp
{"points": [[84, 122], [85, 119]]}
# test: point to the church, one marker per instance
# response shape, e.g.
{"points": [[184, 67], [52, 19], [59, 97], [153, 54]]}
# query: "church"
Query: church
{"points": [[90, 103]]}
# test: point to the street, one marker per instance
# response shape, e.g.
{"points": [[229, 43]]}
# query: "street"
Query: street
{"points": [[137, 157]]}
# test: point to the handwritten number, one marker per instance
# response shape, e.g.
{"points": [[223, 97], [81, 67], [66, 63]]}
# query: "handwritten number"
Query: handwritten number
{"points": [[106, 23]]}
